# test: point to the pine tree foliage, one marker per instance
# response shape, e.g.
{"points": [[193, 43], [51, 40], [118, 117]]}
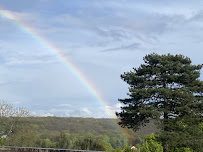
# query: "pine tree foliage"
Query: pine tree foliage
{"points": [[166, 88]]}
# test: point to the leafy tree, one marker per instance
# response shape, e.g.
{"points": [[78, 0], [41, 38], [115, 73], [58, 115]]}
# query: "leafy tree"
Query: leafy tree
{"points": [[151, 145], [64, 140], [102, 143], [10, 116], [23, 135], [46, 143], [85, 142], [91, 142], [166, 88]]}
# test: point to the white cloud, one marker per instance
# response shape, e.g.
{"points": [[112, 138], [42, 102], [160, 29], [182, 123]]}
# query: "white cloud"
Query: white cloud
{"points": [[63, 105], [41, 114], [86, 110], [14, 62], [113, 109], [118, 105], [81, 112]]}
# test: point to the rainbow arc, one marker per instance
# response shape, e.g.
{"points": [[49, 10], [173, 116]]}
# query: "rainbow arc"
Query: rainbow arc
{"points": [[14, 19]]}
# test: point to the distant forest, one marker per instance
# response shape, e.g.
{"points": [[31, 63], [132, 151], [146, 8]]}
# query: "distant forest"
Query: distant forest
{"points": [[73, 133]]}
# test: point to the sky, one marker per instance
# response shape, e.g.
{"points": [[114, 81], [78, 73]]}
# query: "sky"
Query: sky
{"points": [[101, 38]]}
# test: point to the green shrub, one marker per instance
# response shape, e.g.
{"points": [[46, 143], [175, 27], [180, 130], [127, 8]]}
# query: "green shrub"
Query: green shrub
{"points": [[1, 142], [151, 145], [182, 149]]}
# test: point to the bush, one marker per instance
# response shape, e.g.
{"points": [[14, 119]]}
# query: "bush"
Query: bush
{"points": [[1, 142], [151, 145], [182, 149]]}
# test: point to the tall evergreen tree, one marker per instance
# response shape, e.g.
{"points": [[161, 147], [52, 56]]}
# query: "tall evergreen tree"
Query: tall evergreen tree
{"points": [[166, 88]]}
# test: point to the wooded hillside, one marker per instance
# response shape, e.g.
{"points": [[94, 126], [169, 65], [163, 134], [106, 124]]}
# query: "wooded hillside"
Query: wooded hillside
{"points": [[73, 132]]}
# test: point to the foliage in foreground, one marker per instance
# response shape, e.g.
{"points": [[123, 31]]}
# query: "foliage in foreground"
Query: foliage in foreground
{"points": [[151, 145]]}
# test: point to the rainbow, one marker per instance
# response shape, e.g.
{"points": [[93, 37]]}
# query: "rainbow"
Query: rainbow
{"points": [[64, 59], [59, 54]]}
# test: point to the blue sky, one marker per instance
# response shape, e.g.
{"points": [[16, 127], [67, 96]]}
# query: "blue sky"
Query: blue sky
{"points": [[103, 38]]}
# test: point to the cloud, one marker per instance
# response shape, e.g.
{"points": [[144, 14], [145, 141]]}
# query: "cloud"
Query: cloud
{"points": [[132, 46], [86, 110], [198, 16], [63, 105], [41, 114], [15, 62], [80, 112], [112, 28], [113, 109], [10, 57], [3, 83], [118, 105], [114, 33], [23, 17]]}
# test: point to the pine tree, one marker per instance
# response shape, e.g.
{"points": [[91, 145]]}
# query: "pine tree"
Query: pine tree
{"points": [[166, 88]]}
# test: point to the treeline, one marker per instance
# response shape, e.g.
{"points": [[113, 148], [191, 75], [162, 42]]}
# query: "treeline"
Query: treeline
{"points": [[88, 134], [72, 133]]}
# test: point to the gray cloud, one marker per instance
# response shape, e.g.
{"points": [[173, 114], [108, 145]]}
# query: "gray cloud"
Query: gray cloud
{"points": [[198, 16], [12, 58], [132, 46], [116, 34], [15, 62]]}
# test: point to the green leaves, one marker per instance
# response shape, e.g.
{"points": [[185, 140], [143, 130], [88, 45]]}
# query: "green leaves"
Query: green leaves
{"points": [[151, 145]]}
